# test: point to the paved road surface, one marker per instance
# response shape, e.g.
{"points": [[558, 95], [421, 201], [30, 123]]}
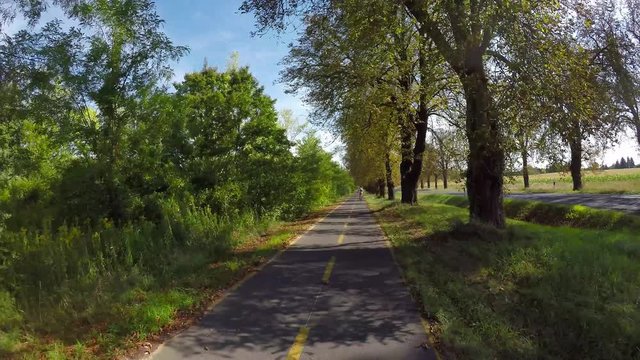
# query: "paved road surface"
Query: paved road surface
{"points": [[627, 203], [363, 313]]}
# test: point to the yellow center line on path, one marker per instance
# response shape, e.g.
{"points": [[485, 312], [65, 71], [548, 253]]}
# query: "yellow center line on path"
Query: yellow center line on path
{"points": [[328, 270], [298, 344]]}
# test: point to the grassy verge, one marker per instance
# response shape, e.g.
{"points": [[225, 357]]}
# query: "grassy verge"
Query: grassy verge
{"points": [[528, 292], [116, 314], [553, 214], [614, 181]]}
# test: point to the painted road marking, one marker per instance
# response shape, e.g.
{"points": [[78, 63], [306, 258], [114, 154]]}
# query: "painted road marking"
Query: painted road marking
{"points": [[298, 344], [328, 269], [341, 239]]}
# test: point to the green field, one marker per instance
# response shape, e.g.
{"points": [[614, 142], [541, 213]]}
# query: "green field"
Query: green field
{"points": [[595, 181], [528, 292]]}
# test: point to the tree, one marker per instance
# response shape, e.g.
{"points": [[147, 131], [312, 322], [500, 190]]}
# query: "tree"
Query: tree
{"points": [[612, 29], [336, 65], [450, 152], [291, 125], [234, 150], [463, 40]]}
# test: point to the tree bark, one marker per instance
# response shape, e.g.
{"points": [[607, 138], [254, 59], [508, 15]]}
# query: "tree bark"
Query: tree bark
{"points": [[486, 155], [418, 152], [637, 124], [421, 182], [576, 162], [414, 166], [428, 181], [445, 183], [381, 187], [390, 185], [435, 181], [525, 168], [406, 194]]}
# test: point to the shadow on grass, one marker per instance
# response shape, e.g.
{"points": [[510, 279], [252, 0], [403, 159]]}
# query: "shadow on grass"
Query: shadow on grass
{"points": [[528, 292]]}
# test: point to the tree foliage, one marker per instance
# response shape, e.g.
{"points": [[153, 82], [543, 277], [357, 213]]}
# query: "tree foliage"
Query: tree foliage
{"points": [[105, 172]]}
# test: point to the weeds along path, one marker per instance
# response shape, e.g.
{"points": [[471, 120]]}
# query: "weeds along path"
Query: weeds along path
{"points": [[335, 294]]}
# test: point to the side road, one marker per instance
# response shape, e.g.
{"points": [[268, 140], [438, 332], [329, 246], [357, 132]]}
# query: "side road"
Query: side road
{"points": [[626, 203], [335, 294]]}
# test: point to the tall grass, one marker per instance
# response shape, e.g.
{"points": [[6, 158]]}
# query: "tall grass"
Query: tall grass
{"points": [[74, 278]]}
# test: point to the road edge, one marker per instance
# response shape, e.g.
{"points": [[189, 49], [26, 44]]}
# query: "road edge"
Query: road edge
{"points": [[423, 321], [156, 347]]}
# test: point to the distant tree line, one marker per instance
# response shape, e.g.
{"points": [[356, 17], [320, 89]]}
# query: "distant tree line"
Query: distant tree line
{"points": [[623, 164]]}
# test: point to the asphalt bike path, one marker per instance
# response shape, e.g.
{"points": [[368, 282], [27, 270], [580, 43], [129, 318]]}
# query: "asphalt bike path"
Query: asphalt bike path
{"points": [[336, 293]]}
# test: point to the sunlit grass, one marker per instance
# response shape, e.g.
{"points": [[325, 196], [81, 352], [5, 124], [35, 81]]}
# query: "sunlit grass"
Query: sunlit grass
{"points": [[528, 292], [140, 306], [598, 181]]}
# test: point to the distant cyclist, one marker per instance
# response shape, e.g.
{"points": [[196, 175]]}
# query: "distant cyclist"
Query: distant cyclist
{"points": [[360, 191]]}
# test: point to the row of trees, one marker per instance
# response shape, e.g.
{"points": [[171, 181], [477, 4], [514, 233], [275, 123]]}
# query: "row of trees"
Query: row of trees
{"points": [[106, 172], [624, 163], [512, 79]]}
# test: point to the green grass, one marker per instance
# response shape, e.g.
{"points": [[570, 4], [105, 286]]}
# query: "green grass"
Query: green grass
{"points": [[528, 292], [553, 214], [595, 181], [116, 313]]}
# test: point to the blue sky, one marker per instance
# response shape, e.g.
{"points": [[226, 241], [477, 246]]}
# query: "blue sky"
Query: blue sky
{"points": [[214, 30]]}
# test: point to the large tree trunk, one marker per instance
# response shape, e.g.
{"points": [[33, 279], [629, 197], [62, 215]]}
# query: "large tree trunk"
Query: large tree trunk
{"points": [[410, 186], [576, 162], [445, 175], [390, 185], [435, 180], [406, 193], [486, 155], [636, 120], [415, 169], [381, 187], [525, 168], [421, 182], [428, 181]]}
